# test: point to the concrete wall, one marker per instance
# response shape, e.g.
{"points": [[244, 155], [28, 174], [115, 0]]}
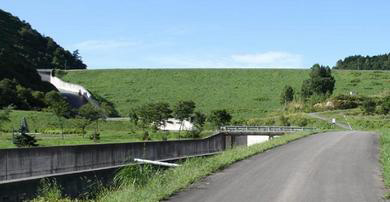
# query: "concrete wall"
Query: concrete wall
{"points": [[30, 162], [255, 139], [46, 75]]}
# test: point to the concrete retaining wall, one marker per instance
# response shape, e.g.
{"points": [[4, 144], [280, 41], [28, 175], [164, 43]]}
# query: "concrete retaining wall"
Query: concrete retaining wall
{"points": [[30, 162], [46, 75]]}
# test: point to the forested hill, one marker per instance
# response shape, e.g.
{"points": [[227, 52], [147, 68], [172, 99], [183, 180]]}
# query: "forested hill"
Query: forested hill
{"points": [[23, 50], [358, 62], [21, 40]]}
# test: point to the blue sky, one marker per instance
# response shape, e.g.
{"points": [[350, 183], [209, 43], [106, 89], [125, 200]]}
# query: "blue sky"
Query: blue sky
{"points": [[211, 33]]}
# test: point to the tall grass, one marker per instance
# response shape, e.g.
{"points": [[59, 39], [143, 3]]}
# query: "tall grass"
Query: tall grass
{"points": [[49, 190], [385, 158]]}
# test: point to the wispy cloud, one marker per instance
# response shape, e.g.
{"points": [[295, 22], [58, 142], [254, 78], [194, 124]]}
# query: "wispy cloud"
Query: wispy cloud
{"points": [[258, 60], [98, 45], [270, 59], [186, 61]]}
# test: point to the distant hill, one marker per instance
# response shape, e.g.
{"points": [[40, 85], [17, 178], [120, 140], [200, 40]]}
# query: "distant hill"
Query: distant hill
{"points": [[358, 62], [23, 50], [246, 93]]}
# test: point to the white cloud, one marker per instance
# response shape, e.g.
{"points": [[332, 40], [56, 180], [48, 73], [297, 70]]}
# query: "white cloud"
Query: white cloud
{"points": [[98, 45], [270, 59]]}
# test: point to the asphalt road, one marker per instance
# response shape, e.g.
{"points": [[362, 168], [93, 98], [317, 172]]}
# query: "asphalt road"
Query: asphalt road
{"points": [[335, 166]]}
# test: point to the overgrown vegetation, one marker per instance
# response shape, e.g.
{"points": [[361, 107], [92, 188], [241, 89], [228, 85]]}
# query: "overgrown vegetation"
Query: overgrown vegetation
{"points": [[49, 190]]}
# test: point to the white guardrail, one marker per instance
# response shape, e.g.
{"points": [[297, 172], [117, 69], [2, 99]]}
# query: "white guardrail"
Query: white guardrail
{"points": [[263, 129]]}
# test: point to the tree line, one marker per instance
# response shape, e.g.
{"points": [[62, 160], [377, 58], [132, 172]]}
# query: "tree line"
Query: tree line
{"points": [[20, 39], [23, 50], [358, 62], [155, 115], [320, 84]]}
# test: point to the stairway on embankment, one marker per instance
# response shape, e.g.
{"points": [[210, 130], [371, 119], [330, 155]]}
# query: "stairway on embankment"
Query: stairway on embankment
{"points": [[76, 94]]}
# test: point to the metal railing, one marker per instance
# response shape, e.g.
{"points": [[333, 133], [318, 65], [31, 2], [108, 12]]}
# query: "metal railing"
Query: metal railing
{"points": [[249, 129]]}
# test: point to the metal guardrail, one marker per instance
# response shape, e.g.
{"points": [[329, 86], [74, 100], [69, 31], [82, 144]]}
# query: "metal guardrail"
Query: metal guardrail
{"points": [[263, 129]]}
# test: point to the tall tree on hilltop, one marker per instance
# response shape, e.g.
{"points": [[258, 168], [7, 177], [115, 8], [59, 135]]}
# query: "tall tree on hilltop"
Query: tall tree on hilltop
{"points": [[321, 82]]}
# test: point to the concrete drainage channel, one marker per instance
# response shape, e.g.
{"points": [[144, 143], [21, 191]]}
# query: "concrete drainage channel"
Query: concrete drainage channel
{"points": [[78, 168], [76, 184]]}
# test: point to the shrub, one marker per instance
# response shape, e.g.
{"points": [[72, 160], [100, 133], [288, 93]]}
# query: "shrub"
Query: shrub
{"points": [[284, 120], [299, 120], [219, 117], [24, 140], [94, 136], [354, 81], [146, 136], [137, 175], [345, 101], [386, 105], [368, 106], [49, 190], [287, 95]]}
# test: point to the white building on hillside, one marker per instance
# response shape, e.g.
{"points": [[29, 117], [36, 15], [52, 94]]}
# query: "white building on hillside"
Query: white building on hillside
{"points": [[174, 125]]}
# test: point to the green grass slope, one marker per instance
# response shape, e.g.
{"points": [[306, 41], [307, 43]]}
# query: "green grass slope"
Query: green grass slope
{"points": [[246, 93]]}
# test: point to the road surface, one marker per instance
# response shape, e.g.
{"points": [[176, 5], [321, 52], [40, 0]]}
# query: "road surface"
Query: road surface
{"points": [[334, 166]]}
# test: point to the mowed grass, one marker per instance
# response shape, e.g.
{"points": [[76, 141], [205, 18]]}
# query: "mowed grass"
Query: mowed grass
{"points": [[246, 93], [46, 125]]}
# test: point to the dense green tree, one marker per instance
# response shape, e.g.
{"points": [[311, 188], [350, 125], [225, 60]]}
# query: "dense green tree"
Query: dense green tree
{"points": [[32, 48], [59, 107], [12, 93], [368, 106], [183, 110], [133, 116], [7, 93], [154, 113], [287, 95], [386, 105], [358, 62], [321, 82], [22, 51], [23, 139], [88, 114], [198, 121], [219, 117], [4, 116]]}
